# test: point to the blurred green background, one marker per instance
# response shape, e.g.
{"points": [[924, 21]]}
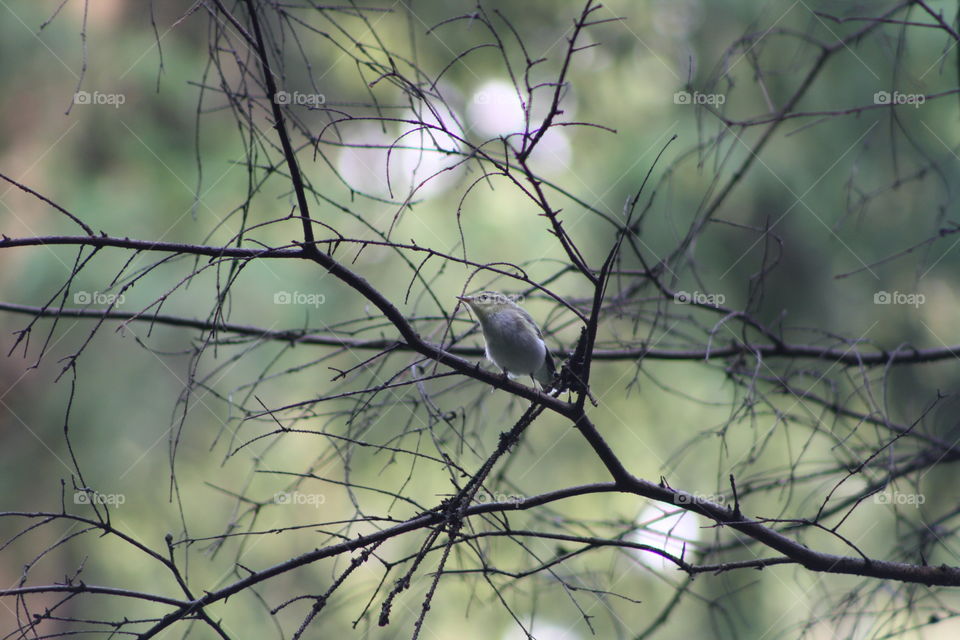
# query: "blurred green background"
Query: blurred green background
{"points": [[841, 192]]}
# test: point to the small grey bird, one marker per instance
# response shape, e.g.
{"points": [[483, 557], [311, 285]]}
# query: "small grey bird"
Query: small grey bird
{"points": [[513, 340]]}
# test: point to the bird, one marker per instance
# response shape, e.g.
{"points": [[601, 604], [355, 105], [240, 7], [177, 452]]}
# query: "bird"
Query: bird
{"points": [[512, 338]]}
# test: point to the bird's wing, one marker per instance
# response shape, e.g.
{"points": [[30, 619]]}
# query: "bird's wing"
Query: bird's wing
{"points": [[530, 319], [551, 369]]}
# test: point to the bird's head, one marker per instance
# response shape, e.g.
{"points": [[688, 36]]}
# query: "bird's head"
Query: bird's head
{"points": [[487, 303]]}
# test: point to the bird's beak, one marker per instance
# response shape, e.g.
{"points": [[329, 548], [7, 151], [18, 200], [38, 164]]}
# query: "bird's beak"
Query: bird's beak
{"points": [[463, 298]]}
